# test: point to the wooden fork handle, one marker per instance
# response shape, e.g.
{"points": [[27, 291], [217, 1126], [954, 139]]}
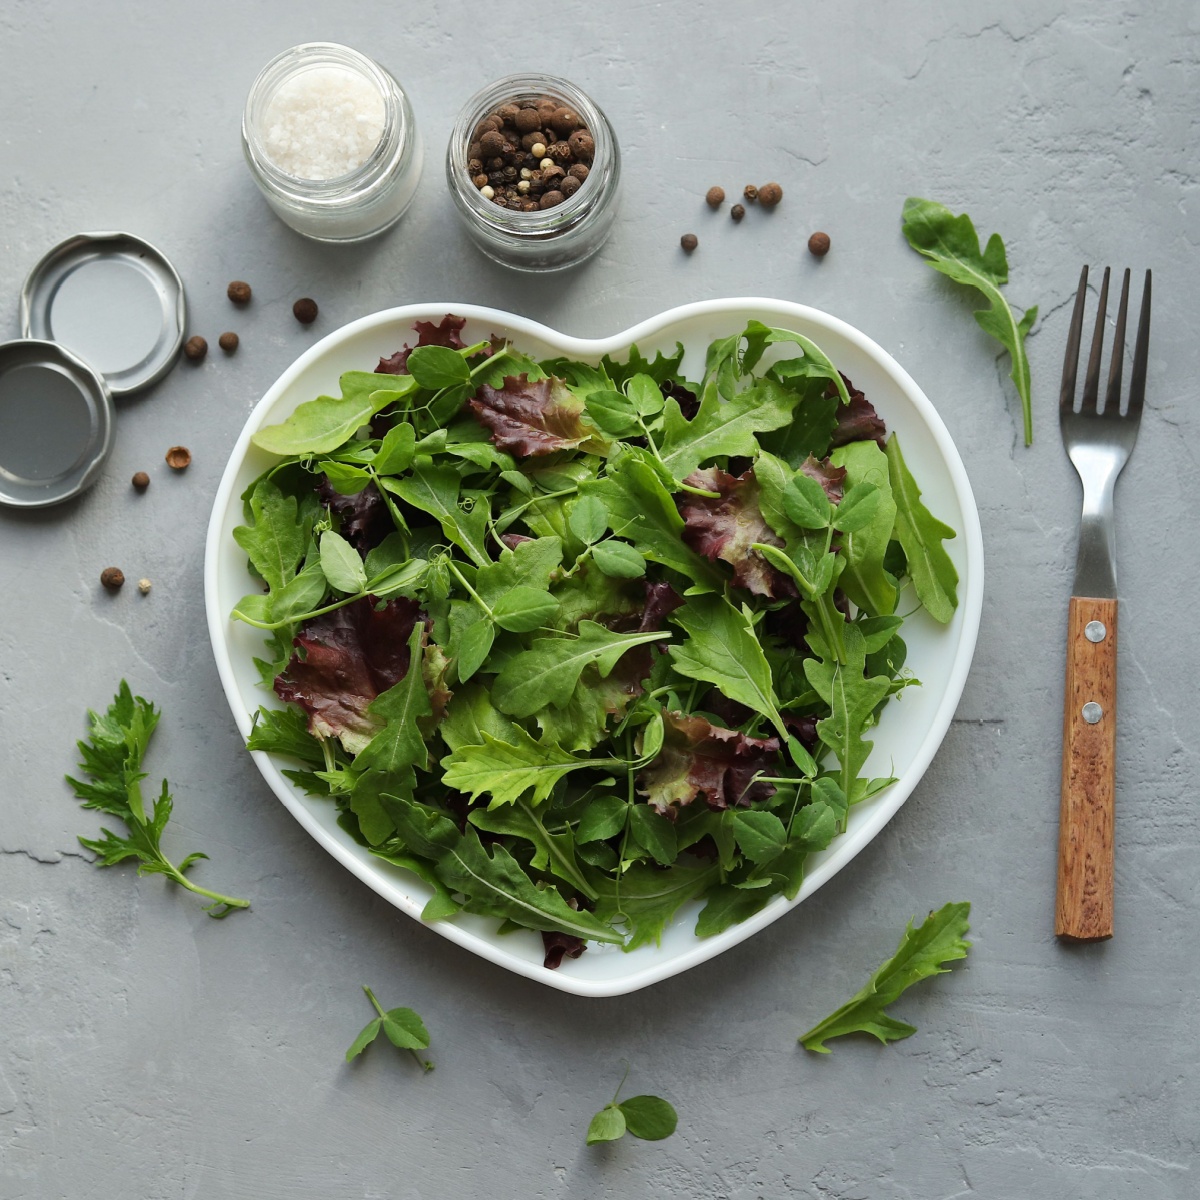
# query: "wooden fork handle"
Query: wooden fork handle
{"points": [[1084, 910]]}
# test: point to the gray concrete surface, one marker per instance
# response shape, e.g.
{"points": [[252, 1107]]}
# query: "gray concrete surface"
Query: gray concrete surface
{"points": [[146, 1051]]}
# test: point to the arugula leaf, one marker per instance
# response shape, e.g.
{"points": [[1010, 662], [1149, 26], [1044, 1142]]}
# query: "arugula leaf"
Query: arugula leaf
{"points": [[321, 425], [276, 541], [951, 246], [723, 649], [921, 534], [553, 850], [646, 898], [285, 731], [865, 579], [111, 759], [921, 953], [548, 671], [399, 743], [507, 770], [402, 1027], [722, 427], [435, 490]]}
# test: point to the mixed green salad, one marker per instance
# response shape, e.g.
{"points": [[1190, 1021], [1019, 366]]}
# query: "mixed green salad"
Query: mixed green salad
{"points": [[577, 643]]}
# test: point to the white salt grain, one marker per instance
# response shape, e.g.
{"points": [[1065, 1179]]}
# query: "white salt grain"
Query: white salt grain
{"points": [[323, 123]]}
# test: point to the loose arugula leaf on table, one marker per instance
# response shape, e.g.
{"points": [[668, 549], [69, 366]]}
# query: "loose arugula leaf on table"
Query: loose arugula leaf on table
{"points": [[401, 1026], [922, 952], [951, 246], [650, 1118], [111, 760]]}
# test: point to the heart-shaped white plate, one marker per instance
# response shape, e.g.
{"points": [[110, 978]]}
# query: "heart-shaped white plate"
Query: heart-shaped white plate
{"points": [[906, 739]]}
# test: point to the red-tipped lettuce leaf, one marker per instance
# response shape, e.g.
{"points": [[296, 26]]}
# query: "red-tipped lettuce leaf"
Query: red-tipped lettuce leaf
{"points": [[857, 421], [831, 478], [699, 759], [528, 417], [445, 333], [343, 660], [728, 525], [365, 520], [559, 946]]}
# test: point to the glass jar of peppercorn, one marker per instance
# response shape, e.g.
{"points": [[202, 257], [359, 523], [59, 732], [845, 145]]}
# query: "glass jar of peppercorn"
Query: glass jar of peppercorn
{"points": [[534, 168]]}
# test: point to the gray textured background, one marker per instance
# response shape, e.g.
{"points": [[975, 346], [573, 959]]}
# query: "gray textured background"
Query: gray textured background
{"points": [[146, 1051]]}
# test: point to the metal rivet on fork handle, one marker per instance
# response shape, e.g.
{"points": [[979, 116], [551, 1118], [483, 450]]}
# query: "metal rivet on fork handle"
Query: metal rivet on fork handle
{"points": [[1091, 712], [1095, 631]]}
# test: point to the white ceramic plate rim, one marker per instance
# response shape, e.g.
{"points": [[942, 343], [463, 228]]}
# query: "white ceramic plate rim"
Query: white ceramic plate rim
{"points": [[402, 889]]}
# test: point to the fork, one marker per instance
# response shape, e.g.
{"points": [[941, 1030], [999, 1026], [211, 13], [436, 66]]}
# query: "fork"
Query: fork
{"points": [[1098, 441]]}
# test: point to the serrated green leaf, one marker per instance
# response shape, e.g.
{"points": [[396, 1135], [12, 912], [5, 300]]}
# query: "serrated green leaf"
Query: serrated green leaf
{"points": [[922, 952], [951, 246], [548, 671], [400, 743], [934, 575], [554, 851], [321, 425], [508, 770], [276, 541], [723, 649]]}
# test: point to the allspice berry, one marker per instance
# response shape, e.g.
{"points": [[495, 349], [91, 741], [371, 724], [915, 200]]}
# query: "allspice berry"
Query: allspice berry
{"points": [[714, 197], [112, 578], [228, 342], [750, 192], [195, 348], [737, 212], [239, 292], [689, 242], [141, 481], [818, 244], [178, 457], [770, 195], [305, 310]]}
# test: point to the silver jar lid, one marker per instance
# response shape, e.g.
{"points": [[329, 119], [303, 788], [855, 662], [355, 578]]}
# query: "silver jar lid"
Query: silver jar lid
{"points": [[102, 314], [114, 300], [56, 424]]}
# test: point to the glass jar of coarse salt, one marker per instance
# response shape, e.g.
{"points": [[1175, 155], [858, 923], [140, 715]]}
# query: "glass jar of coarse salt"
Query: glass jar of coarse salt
{"points": [[574, 224], [331, 142]]}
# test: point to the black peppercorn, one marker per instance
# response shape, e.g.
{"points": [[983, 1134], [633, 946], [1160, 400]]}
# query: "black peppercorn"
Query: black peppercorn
{"points": [[714, 197], [770, 195], [305, 310], [113, 578], [737, 212], [689, 242], [239, 292], [818, 244], [195, 348]]}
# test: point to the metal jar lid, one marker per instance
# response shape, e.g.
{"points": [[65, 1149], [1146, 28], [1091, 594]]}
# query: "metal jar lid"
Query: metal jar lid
{"points": [[56, 424], [103, 314], [114, 300]]}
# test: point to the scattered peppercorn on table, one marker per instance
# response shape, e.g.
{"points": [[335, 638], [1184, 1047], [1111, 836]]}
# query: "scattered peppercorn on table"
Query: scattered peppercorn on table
{"points": [[587, 167]]}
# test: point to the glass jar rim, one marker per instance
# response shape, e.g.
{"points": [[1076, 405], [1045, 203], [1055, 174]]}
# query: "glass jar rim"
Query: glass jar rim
{"points": [[545, 222], [305, 56]]}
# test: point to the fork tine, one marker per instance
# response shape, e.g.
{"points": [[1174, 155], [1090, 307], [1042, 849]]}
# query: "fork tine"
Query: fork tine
{"points": [[1066, 395], [1137, 382], [1091, 381], [1112, 394]]}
